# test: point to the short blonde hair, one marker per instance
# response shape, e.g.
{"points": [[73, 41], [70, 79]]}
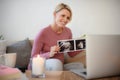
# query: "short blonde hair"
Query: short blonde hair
{"points": [[61, 6]]}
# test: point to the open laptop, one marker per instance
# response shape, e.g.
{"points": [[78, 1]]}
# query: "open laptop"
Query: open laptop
{"points": [[102, 57]]}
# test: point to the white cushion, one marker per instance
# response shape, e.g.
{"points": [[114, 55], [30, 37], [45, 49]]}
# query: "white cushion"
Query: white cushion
{"points": [[3, 46], [10, 59]]}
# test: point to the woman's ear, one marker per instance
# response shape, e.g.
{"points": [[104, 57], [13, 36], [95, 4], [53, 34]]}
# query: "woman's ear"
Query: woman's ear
{"points": [[54, 13]]}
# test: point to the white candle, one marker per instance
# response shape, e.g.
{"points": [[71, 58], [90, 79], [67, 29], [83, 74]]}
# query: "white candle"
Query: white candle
{"points": [[38, 65]]}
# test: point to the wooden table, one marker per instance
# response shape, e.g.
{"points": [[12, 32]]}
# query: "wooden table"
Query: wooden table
{"points": [[64, 75]]}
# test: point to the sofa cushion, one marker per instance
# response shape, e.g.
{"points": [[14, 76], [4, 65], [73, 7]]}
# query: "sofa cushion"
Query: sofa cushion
{"points": [[23, 50], [2, 46], [81, 57]]}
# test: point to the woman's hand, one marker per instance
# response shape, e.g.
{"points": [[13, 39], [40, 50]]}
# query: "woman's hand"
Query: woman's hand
{"points": [[54, 50]]}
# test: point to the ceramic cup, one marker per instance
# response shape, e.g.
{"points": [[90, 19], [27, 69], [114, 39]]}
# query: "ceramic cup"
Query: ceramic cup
{"points": [[54, 65]]}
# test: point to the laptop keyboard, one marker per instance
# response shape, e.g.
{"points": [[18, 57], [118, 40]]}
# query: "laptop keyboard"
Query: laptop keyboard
{"points": [[79, 71], [84, 73]]}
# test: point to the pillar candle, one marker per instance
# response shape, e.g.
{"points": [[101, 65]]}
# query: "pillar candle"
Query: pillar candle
{"points": [[38, 65]]}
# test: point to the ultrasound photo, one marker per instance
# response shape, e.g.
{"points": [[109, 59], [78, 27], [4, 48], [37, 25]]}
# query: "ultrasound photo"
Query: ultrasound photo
{"points": [[80, 44], [71, 45], [66, 45]]}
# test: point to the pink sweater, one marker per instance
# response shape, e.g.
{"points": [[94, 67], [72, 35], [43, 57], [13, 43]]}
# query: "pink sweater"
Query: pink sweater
{"points": [[47, 38]]}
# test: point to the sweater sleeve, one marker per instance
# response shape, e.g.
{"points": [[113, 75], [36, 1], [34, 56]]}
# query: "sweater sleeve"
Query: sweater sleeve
{"points": [[72, 54], [38, 45]]}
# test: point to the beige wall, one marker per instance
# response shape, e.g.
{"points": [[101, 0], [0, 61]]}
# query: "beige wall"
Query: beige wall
{"points": [[24, 18]]}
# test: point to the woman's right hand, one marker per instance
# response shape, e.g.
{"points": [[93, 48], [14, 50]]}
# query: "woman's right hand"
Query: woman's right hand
{"points": [[54, 50]]}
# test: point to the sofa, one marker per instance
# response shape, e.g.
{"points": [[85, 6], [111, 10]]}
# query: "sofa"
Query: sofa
{"points": [[23, 50]]}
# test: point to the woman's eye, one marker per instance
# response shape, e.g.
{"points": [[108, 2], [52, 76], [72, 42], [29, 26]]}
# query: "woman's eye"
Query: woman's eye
{"points": [[68, 18], [63, 15]]}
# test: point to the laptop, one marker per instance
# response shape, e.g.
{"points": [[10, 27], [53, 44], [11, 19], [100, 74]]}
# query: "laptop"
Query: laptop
{"points": [[102, 57]]}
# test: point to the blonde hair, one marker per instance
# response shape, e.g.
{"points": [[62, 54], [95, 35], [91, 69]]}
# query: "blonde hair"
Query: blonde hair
{"points": [[61, 6]]}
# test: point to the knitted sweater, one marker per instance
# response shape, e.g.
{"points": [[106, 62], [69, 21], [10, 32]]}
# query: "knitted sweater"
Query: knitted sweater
{"points": [[47, 38]]}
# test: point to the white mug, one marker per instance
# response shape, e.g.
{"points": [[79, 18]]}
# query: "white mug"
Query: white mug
{"points": [[10, 59], [54, 65]]}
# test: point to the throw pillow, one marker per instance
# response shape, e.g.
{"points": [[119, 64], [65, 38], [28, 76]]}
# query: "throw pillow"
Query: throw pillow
{"points": [[23, 50], [2, 50], [2, 46]]}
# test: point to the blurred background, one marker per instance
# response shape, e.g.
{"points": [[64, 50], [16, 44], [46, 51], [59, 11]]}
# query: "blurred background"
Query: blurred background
{"points": [[20, 19]]}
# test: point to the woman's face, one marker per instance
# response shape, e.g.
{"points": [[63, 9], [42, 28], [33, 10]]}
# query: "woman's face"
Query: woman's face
{"points": [[62, 17]]}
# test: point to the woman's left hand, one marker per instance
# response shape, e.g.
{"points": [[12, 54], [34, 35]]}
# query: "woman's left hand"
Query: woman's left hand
{"points": [[54, 50]]}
